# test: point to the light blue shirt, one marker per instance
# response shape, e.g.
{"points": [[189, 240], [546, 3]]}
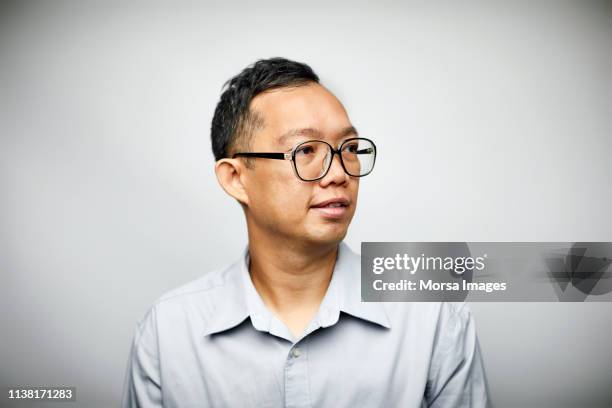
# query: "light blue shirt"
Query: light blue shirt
{"points": [[214, 343]]}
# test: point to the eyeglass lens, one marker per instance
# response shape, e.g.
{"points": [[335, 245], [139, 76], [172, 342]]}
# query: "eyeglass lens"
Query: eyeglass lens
{"points": [[313, 159]]}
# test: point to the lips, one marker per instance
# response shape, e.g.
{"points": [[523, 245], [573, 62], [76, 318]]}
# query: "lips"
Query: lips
{"points": [[332, 203], [334, 208]]}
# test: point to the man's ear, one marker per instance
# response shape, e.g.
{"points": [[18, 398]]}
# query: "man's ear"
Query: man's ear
{"points": [[230, 176]]}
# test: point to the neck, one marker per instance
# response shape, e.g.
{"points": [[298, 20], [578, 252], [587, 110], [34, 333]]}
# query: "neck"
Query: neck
{"points": [[290, 276]]}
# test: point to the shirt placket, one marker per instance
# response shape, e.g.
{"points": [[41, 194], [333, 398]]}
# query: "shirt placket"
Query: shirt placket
{"points": [[297, 387]]}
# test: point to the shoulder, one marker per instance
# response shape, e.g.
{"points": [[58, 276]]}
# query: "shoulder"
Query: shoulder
{"points": [[457, 310], [455, 315], [455, 327], [434, 315], [196, 288], [442, 313], [198, 297]]}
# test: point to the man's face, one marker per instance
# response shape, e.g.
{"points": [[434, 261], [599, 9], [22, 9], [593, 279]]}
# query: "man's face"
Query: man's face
{"points": [[279, 202]]}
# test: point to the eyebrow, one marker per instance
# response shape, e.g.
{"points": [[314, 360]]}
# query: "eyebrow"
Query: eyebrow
{"points": [[349, 130]]}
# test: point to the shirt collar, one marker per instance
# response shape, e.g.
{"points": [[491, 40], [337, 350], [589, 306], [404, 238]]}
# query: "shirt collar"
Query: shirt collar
{"points": [[236, 298]]}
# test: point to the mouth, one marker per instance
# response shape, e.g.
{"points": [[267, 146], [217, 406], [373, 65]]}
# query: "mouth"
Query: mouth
{"points": [[334, 208]]}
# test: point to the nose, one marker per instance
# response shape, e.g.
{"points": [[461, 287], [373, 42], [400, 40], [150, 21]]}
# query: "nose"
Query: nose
{"points": [[336, 173]]}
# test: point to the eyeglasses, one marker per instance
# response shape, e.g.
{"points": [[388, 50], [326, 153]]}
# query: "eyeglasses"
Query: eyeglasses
{"points": [[312, 159]]}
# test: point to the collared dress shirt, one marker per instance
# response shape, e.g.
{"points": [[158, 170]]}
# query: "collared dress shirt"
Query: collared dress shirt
{"points": [[214, 343]]}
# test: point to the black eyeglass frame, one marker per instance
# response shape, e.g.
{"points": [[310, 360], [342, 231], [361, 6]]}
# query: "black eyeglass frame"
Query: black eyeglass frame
{"points": [[291, 156]]}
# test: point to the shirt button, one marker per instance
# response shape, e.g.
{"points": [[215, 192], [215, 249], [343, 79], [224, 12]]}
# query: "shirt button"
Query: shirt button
{"points": [[296, 352]]}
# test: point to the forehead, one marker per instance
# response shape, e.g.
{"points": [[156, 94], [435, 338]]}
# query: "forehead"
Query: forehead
{"points": [[309, 106]]}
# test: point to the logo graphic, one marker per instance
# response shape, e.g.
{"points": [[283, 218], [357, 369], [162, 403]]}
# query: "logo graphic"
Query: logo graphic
{"points": [[583, 267]]}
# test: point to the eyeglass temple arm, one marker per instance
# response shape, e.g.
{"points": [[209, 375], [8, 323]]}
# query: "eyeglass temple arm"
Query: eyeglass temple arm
{"points": [[365, 151], [276, 156]]}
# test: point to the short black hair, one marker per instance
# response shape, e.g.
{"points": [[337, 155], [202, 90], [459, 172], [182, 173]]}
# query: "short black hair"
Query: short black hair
{"points": [[233, 122]]}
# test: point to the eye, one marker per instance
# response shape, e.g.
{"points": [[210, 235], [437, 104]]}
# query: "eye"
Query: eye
{"points": [[351, 148], [305, 150]]}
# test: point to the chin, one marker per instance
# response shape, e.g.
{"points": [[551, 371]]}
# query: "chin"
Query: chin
{"points": [[327, 236]]}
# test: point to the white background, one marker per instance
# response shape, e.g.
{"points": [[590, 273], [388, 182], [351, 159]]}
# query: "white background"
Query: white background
{"points": [[493, 123]]}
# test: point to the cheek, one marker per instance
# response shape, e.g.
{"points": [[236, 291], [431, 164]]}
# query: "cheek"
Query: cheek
{"points": [[293, 202], [281, 200]]}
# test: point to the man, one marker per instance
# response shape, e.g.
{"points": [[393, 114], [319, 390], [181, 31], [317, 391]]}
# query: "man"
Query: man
{"points": [[284, 326]]}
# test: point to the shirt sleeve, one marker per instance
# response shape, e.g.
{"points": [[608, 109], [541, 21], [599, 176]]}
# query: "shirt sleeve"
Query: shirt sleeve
{"points": [[456, 375], [142, 385]]}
